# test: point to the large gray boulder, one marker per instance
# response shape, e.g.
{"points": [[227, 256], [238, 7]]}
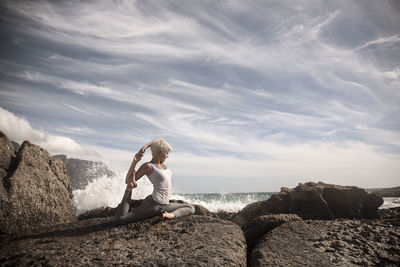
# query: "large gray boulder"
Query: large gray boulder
{"points": [[35, 190], [82, 172], [187, 241], [316, 201]]}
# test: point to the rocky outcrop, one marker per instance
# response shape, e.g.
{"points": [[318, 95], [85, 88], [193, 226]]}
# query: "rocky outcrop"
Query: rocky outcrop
{"points": [[329, 243], [83, 172], [35, 189], [388, 192], [316, 201], [187, 241]]}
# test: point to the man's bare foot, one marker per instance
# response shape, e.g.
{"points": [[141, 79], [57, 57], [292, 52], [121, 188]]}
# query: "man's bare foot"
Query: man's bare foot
{"points": [[167, 215]]}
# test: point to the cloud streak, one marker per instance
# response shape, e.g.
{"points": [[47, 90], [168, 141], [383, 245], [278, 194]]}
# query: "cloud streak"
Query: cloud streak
{"points": [[381, 40]]}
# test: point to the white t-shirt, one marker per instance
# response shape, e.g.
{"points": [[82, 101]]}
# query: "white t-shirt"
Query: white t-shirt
{"points": [[161, 180]]}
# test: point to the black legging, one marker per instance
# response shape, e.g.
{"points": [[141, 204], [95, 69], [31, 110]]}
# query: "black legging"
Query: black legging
{"points": [[148, 208]]}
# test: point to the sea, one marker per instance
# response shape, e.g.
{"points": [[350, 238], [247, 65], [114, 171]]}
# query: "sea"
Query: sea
{"points": [[107, 192]]}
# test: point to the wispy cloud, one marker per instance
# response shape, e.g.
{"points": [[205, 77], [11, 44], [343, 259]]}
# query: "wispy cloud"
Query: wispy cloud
{"points": [[76, 87], [381, 40]]}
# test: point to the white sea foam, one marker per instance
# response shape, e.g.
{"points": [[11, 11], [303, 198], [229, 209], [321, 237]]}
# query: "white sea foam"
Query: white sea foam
{"points": [[390, 202], [108, 192], [230, 202]]}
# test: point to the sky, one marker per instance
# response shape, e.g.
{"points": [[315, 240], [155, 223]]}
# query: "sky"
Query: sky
{"points": [[252, 95]]}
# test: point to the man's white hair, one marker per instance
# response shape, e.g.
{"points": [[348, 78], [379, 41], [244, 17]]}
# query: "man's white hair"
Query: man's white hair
{"points": [[159, 144]]}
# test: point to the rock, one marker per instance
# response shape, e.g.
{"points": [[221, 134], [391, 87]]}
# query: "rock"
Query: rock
{"points": [[307, 201], [225, 215], [200, 210], [278, 203], [370, 206], [391, 215], [16, 147], [287, 246], [6, 154], [263, 224], [388, 192], [187, 241], [36, 191], [329, 243], [7, 163], [316, 201], [83, 172]]}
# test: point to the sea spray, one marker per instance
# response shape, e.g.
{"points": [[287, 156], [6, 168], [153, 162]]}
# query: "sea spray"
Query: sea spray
{"points": [[107, 192], [230, 202], [390, 202]]}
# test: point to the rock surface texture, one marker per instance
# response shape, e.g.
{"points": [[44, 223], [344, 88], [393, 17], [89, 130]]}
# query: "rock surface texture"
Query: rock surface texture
{"points": [[188, 241], [82, 172], [329, 243], [316, 201], [35, 189]]}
